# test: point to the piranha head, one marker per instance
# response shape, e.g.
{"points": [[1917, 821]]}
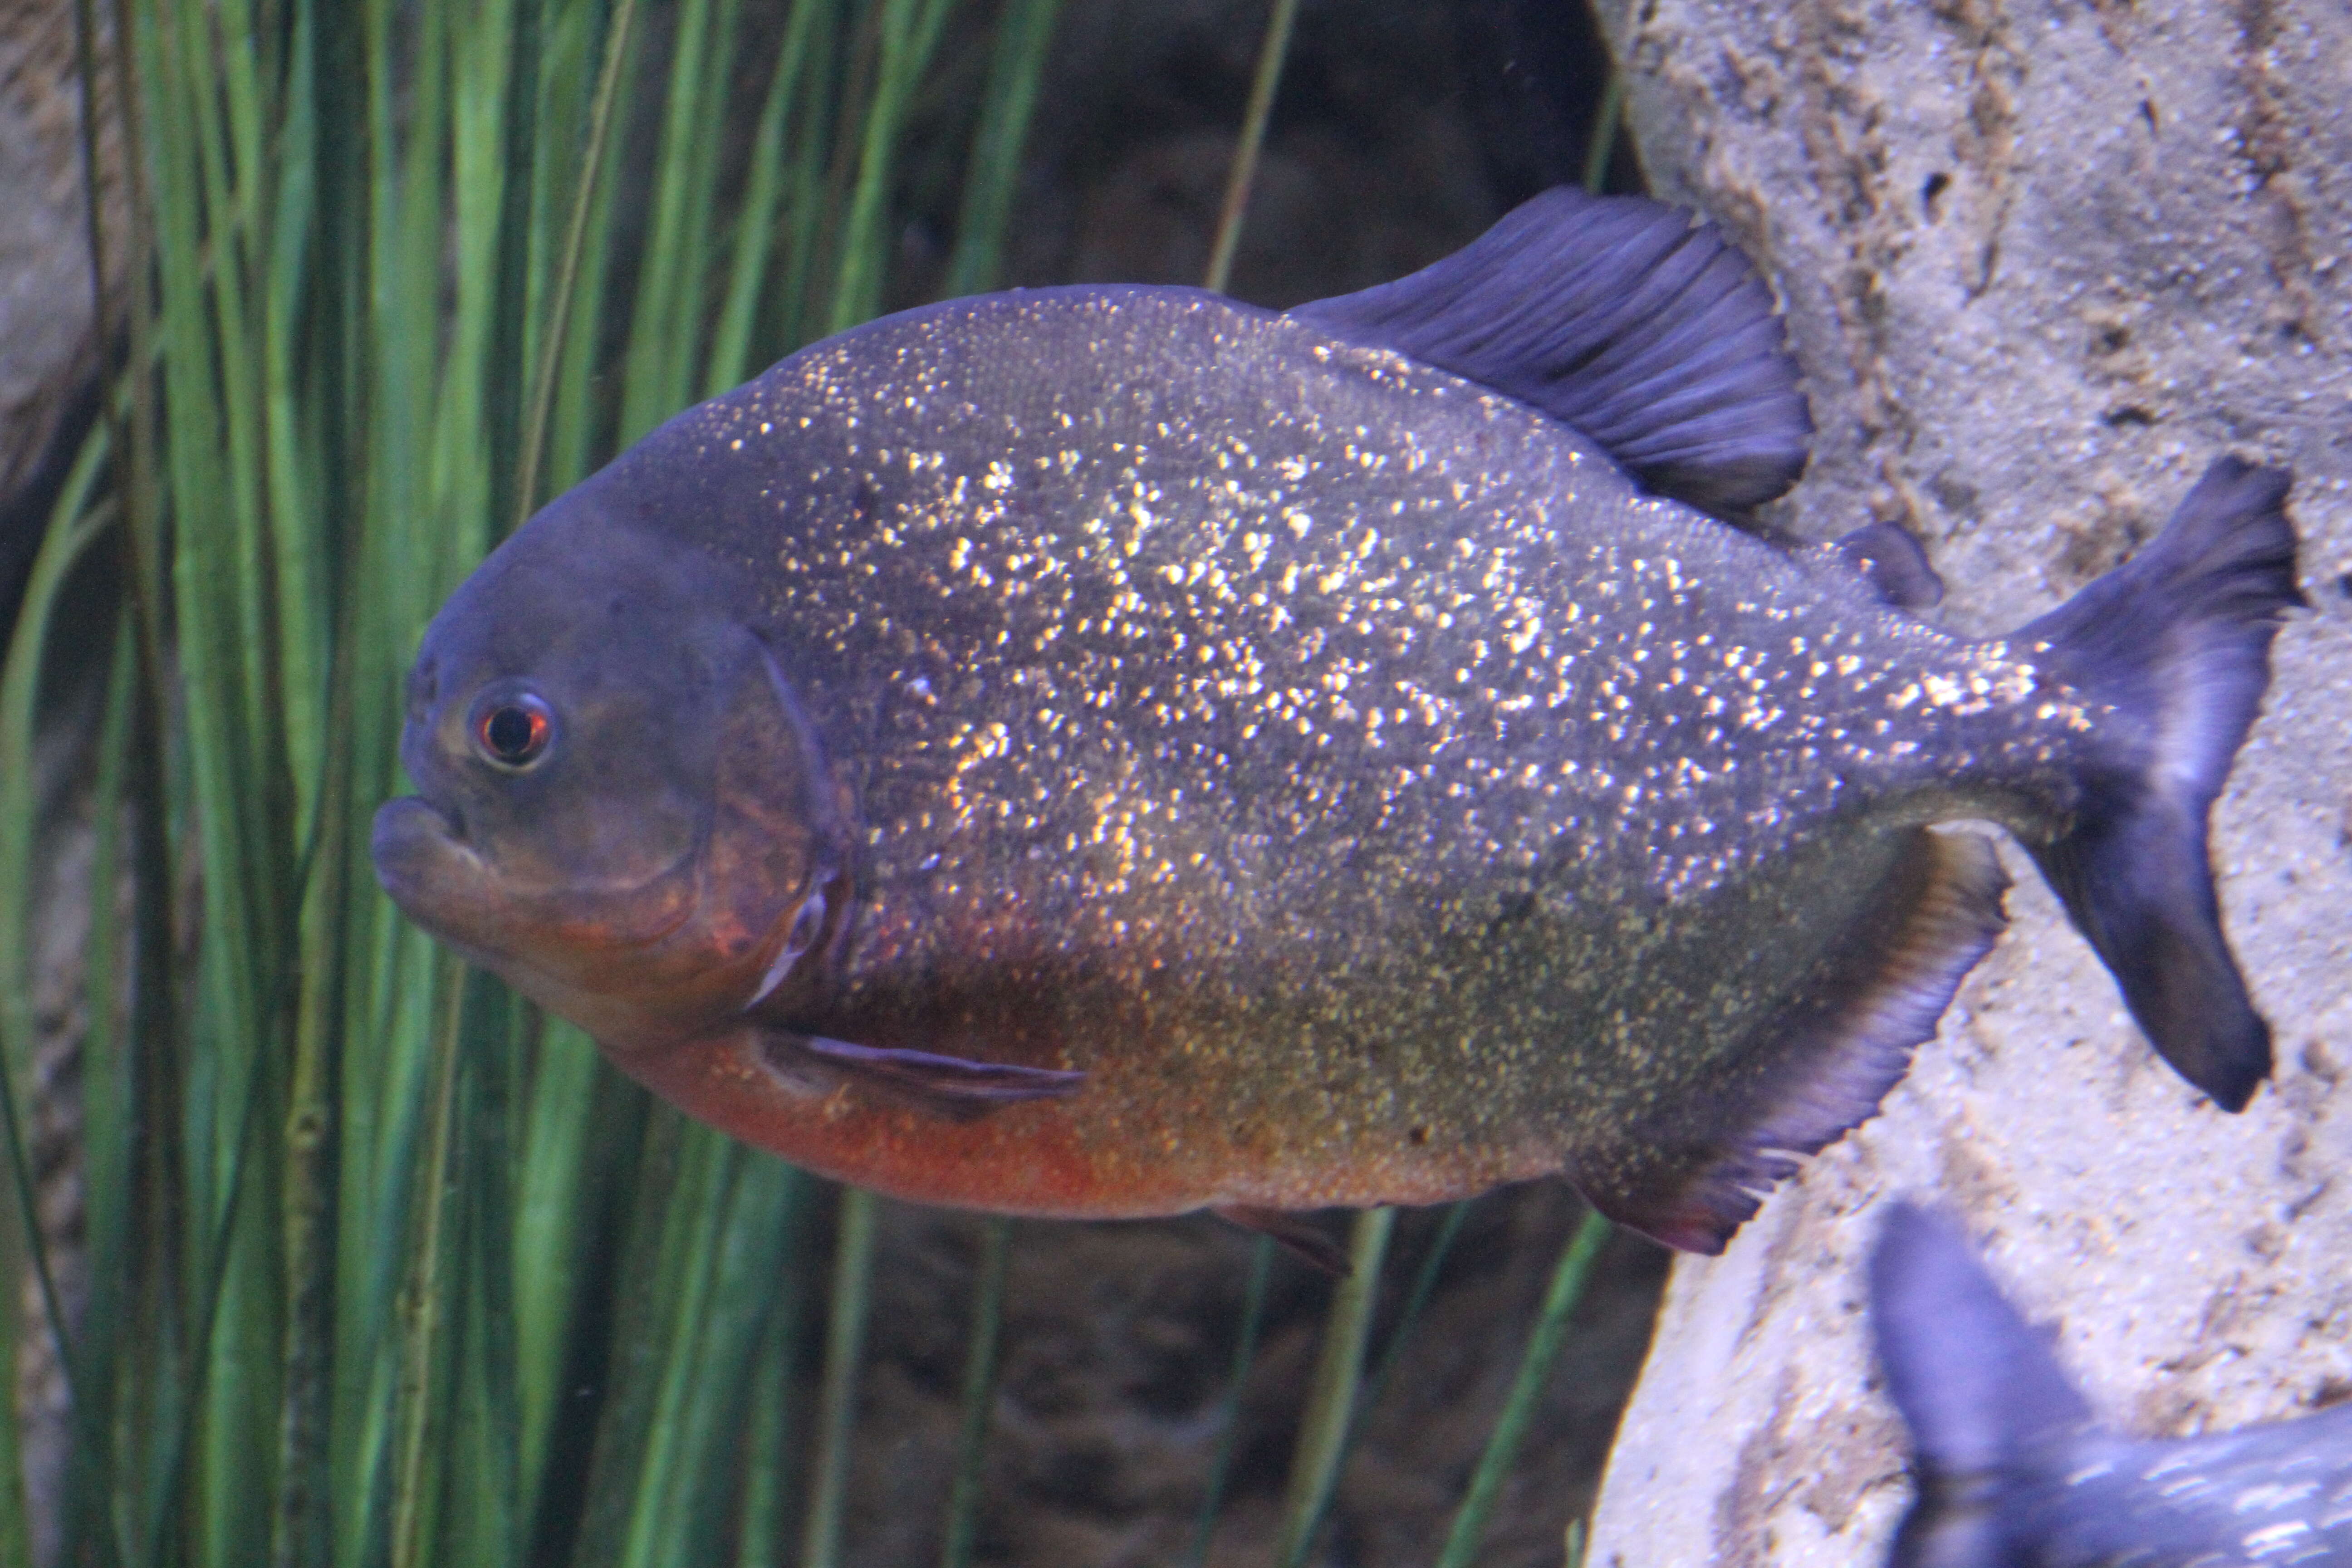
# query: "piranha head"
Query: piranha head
{"points": [[620, 807]]}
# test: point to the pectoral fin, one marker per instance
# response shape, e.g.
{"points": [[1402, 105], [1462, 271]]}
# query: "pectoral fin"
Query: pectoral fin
{"points": [[951, 1086]]}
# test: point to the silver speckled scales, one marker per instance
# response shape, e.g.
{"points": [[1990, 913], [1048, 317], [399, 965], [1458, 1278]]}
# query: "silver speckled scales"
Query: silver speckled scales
{"points": [[1480, 799]]}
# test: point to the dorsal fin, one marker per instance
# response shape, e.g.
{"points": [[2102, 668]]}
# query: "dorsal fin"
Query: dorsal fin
{"points": [[1889, 561], [1978, 1385], [1993, 1418], [1615, 315]]}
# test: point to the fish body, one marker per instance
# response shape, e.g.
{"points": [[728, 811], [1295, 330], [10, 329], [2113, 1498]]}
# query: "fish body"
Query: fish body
{"points": [[2014, 1472], [1112, 751]]}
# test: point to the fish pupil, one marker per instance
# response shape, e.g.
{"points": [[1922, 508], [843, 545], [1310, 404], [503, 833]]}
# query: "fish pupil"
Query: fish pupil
{"points": [[514, 733]]}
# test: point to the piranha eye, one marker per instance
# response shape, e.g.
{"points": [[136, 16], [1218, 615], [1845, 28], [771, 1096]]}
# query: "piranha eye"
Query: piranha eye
{"points": [[512, 730]]}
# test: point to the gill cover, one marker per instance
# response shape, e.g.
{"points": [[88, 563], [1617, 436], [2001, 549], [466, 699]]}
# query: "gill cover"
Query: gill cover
{"points": [[779, 856]]}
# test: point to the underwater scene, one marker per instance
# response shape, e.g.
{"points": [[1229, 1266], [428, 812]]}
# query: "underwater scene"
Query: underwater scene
{"points": [[1175, 782]]}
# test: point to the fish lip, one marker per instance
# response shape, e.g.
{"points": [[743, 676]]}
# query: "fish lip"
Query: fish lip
{"points": [[408, 830], [404, 818]]}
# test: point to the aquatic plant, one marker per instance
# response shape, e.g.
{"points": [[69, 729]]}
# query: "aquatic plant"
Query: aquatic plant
{"points": [[359, 1220]]}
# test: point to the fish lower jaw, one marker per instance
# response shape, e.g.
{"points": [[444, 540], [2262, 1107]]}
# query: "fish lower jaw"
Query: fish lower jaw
{"points": [[418, 861]]}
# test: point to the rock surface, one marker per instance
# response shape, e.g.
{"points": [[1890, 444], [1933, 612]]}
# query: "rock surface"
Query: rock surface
{"points": [[2044, 260], [47, 351]]}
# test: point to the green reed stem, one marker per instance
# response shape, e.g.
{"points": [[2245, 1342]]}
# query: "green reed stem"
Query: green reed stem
{"points": [[907, 30], [71, 534], [987, 1336], [1605, 121], [767, 1492], [669, 306], [755, 224], [575, 237], [184, 1406], [845, 1346], [108, 1134], [1567, 1280], [1424, 1282], [1024, 34], [1271, 52], [304, 1501], [72, 531], [686, 1485], [1330, 1400], [1213, 1499], [422, 1328]]}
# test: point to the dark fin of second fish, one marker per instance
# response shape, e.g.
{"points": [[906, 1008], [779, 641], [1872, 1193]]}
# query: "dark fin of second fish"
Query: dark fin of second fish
{"points": [[1296, 1232], [949, 1087], [1617, 316], [1822, 1064], [1889, 560], [2177, 640], [1974, 1381]]}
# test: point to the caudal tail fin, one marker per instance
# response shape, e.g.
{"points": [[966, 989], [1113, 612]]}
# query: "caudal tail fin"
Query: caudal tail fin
{"points": [[1987, 1402], [2177, 641]]}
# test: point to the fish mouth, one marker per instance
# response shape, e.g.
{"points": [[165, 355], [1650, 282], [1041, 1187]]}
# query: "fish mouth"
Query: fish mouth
{"points": [[443, 882], [412, 845], [426, 865]]}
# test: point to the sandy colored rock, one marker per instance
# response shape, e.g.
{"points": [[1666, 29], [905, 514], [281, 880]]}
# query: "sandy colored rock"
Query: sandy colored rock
{"points": [[2043, 261], [48, 349]]}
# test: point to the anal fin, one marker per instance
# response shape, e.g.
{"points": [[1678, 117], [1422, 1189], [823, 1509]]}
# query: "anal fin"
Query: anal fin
{"points": [[950, 1087], [1820, 1065]]}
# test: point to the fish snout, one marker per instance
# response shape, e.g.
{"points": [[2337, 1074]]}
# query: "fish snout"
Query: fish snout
{"points": [[416, 849]]}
